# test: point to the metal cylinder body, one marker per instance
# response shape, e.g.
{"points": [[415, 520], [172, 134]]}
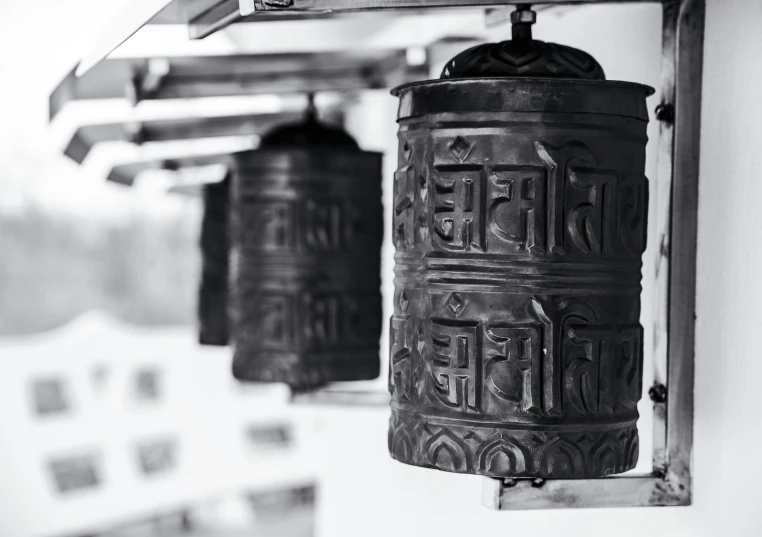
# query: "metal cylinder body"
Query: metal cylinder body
{"points": [[305, 265], [213, 289], [520, 212]]}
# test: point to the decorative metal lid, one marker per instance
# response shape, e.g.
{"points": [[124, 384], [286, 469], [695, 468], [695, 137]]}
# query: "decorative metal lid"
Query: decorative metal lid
{"points": [[523, 56], [308, 134]]}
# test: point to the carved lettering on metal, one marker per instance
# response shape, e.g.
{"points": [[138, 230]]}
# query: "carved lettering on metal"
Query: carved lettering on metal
{"points": [[400, 375], [509, 372], [454, 365], [517, 289], [457, 198], [517, 207]]}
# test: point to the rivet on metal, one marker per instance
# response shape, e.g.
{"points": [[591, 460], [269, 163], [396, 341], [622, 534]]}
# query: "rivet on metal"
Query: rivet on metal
{"points": [[665, 112], [523, 14], [658, 393]]}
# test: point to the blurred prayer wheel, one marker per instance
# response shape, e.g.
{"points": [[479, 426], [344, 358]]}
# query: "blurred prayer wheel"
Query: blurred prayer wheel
{"points": [[213, 290], [305, 264], [520, 210]]}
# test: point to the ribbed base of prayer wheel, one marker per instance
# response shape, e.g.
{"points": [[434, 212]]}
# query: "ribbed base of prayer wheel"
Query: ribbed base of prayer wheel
{"points": [[500, 452]]}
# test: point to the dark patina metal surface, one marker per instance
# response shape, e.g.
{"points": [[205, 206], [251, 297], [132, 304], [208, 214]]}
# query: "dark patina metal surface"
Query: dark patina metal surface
{"points": [[213, 290], [523, 56], [519, 221], [307, 229]]}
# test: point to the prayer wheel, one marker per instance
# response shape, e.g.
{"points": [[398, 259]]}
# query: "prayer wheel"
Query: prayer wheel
{"points": [[520, 208], [307, 224], [213, 290]]}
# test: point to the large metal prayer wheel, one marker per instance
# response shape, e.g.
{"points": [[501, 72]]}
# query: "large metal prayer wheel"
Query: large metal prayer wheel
{"points": [[305, 265], [520, 210]]}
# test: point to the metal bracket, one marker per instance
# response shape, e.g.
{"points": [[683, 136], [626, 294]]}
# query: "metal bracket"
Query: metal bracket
{"points": [[236, 75], [147, 80], [126, 174], [166, 130], [669, 483], [217, 14], [338, 395]]}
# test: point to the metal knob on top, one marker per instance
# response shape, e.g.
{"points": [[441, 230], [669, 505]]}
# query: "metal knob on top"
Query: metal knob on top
{"points": [[523, 56]]}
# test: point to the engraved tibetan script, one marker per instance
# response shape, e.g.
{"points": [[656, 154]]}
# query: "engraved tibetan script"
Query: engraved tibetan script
{"points": [[517, 210], [315, 319], [602, 366], [310, 224], [400, 355], [403, 222], [513, 372], [455, 365], [566, 204], [458, 208], [553, 361]]}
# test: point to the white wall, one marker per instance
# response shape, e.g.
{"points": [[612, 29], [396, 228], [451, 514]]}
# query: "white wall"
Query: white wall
{"points": [[365, 493], [201, 409]]}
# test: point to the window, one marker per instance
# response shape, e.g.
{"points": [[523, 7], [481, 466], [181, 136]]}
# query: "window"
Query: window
{"points": [[49, 396], [283, 500], [268, 436], [148, 385], [156, 457], [75, 473]]}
